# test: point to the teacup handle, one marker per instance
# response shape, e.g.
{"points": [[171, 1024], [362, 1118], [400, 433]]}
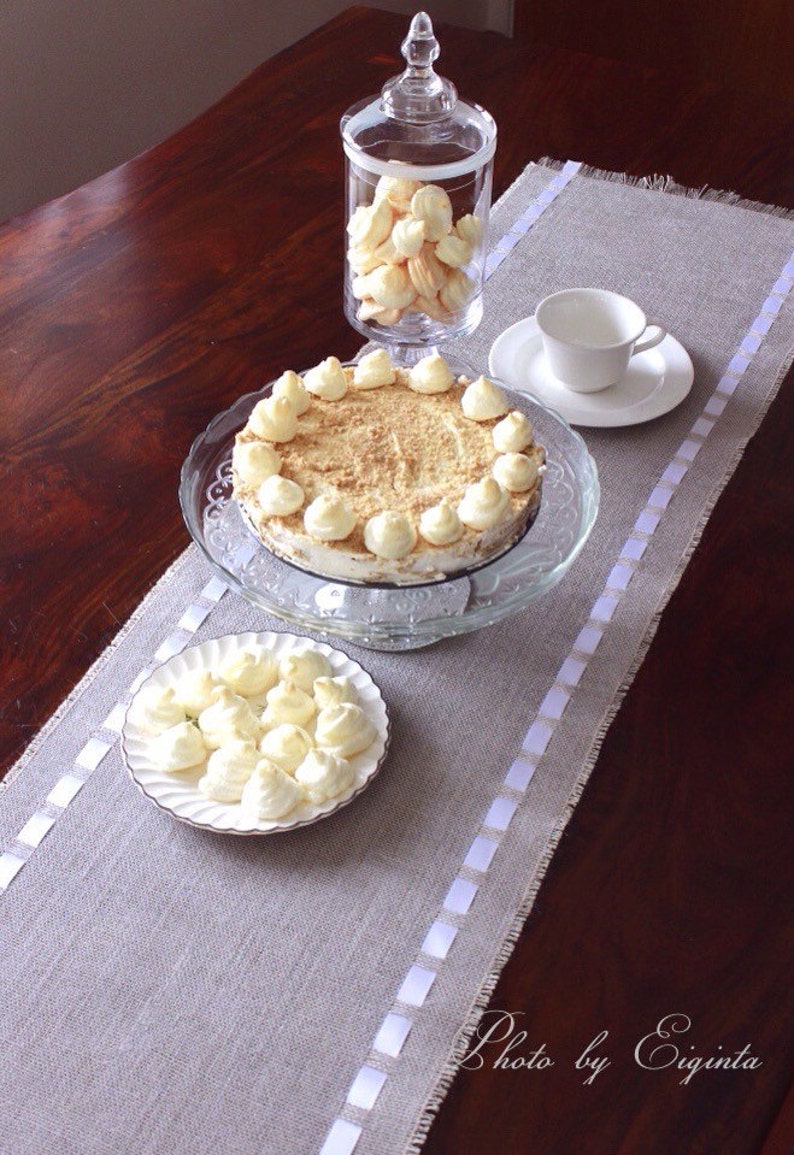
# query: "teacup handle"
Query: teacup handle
{"points": [[654, 339]]}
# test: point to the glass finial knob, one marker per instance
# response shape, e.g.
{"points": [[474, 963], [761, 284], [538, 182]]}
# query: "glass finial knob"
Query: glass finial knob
{"points": [[420, 47], [419, 95]]}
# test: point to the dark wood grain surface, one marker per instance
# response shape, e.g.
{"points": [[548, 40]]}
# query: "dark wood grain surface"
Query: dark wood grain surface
{"points": [[136, 308]]}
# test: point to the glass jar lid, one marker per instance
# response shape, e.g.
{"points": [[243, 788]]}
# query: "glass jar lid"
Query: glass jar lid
{"points": [[418, 122]]}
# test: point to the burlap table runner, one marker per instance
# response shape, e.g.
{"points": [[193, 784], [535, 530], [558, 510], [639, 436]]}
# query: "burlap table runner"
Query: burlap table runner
{"points": [[168, 990]]}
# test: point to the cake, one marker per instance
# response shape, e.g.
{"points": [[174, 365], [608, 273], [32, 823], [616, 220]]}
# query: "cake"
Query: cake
{"points": [[376, 473]]}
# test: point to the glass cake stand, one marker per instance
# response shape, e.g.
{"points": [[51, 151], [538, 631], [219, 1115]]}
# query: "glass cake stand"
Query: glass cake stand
{"points": [[399, 618]]}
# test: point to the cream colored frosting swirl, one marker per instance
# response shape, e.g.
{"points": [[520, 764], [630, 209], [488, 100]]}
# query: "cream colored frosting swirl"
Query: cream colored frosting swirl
{"points": [[431, 375], [483, 400], [286, 702], [323, 775], [253, 461], [303, 667], [289, 385], [513, 433], [180, 747], [516, 471], [373, 370], [344, 729], [250, 671], [440, 525], [274, 419], [327, 380], [332, 691], [195, 691], [229, 716], [329, 518], [228, 770], [389, 535], [270, 793], [286, 745], [279, 496], [156, 708], [483, 504]]}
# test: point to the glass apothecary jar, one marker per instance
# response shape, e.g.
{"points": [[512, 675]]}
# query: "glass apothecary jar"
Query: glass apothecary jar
{"points": [[419, 177]]}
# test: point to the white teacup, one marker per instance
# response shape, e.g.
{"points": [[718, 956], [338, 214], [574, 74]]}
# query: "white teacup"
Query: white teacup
{"points": [[590, 335]]}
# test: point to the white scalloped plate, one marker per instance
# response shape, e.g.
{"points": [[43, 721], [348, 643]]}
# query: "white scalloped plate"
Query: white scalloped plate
{"points": [[178, 793]]}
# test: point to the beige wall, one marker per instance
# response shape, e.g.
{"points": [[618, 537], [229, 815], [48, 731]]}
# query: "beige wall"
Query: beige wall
{"points": [[85, 85]]}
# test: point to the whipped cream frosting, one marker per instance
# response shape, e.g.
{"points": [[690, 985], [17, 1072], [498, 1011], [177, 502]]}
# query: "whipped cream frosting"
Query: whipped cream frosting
{"points": [[326, 380], [323, 775], [253, 461], [290, 386], [180, 747], [229, 716], [279, 496], [329, 518], [430, 375], [270, 793], [390, 535], [483, 504], [286, 745], [274, 419], [440, 525], [513, 433], [516, 471], [374, 370], [344, 729], [303, 667], [228, 769], [483, 400]]}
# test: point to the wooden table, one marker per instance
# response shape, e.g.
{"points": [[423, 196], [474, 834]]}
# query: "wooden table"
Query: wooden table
{"points": [[136, 308]]}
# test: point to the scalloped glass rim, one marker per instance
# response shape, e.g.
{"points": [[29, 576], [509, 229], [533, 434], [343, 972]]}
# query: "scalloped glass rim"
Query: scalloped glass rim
{"points": [[407, 617], [177, 793]]}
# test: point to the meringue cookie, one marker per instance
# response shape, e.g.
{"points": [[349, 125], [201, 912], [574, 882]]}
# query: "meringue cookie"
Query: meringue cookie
{"points": [[329, 518], [397, 190], [513, 433], [228, 769], [374, 370], [253, 461], [483, 504], [457, 290], [389, 535], [324, 775], [180, 747], [440, 525], [516, 472], [327, 380], [483, 400], [286, 745], [370, 224], [274, 419], [390, 286], [408, 236], [333, 691], [270, 793], [286, 702], [453, 251], [289, 385], [469, 228], [370, 310], [345, 730], [303, 667], [431, 375], [432, 307], [432, 206], [426, 272], [156, 708], [195, 691], [279, 497], [250, 671], [229, 716]]}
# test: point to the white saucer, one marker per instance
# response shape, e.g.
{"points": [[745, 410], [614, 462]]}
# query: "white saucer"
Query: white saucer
{"points": [[656, 382]]}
